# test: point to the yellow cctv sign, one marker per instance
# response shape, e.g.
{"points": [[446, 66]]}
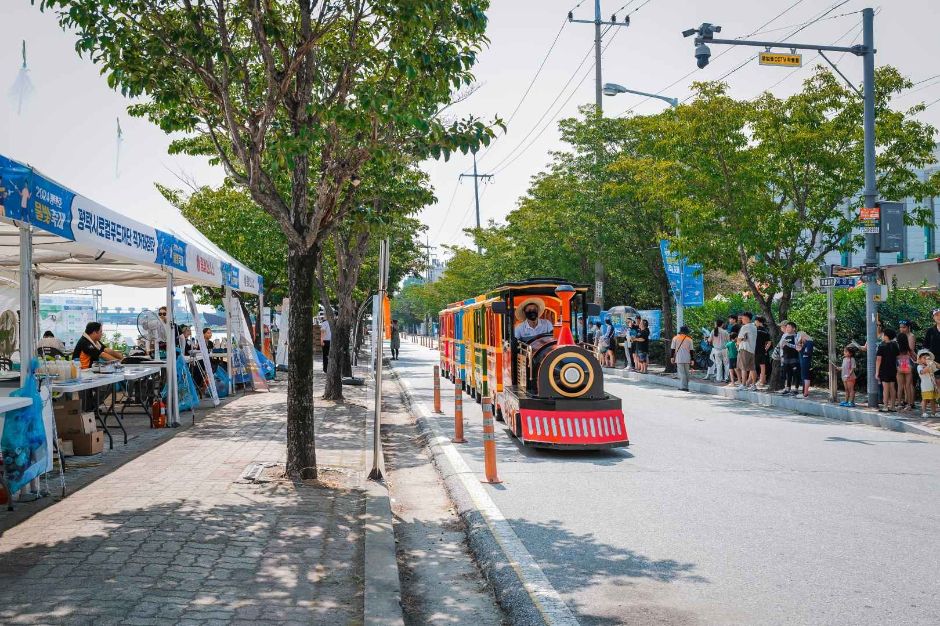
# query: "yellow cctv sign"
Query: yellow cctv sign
{"points": [[783, 60]]}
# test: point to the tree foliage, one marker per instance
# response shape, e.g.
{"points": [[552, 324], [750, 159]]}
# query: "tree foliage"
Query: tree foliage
{"points": [[293, 98]]}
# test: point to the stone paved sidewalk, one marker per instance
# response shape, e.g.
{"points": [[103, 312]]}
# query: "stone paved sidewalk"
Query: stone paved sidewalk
{"points": [[175, 536]]}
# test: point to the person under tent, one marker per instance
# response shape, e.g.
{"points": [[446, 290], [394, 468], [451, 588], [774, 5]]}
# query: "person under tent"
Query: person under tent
{"points": [[89, 349]]}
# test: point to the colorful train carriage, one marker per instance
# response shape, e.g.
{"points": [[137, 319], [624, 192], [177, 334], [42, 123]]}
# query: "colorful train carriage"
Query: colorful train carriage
{"points": [[548, 389]]}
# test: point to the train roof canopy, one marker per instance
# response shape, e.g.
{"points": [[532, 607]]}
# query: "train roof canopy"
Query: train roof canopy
{"points": [[540, 286]]}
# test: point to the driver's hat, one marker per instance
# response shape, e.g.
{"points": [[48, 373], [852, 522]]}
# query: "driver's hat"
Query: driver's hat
{"points": [[520, 310]]}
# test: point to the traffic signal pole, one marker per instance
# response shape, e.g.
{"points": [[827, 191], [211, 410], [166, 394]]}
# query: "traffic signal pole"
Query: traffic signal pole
{"points": [[871, 197], [705, 37]]}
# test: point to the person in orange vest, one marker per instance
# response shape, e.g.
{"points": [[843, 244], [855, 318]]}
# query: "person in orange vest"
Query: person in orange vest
{"points": [[681, 354]]}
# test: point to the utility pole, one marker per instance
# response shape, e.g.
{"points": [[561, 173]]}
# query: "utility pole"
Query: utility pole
{"points": [[705, 35], [427, 278], [871, 197], [476, 189], [598, 103]]}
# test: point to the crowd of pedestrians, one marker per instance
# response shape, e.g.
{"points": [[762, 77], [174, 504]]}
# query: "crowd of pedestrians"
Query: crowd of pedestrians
{"points": [[741, 354]]}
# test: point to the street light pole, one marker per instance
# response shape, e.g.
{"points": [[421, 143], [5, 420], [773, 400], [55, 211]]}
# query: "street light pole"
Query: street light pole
{"points": [[705, 36]]}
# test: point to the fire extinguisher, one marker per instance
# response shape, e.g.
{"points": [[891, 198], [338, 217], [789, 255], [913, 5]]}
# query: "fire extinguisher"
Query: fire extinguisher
{"points": [[158, 417]]}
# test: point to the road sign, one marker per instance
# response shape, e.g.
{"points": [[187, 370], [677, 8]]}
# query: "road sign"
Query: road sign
{"points": [[842, 271], [780, 59], [838, 283]]}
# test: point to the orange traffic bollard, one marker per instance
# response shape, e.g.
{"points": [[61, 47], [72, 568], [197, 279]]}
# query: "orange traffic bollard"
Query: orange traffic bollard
{"points": [[437, 389], [458, 415], [489, 442]]}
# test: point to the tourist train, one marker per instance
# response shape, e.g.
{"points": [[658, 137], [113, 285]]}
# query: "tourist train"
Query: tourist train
{"points": [[547, 388]]}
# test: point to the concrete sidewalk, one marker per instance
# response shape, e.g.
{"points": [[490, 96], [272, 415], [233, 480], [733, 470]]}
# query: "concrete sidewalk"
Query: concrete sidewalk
{"points": [[179, 536], [817, 404]]}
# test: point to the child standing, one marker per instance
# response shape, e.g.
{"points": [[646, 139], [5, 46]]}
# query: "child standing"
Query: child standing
{"points": [[848, 375], [732, 348], [928, 385]]}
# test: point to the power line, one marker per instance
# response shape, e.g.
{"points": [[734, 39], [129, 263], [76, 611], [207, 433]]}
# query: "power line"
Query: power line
{"points": [[549, 108], [817, 56], [502, 165], [447, 210], [717, 56], [794, 33], [531, 83], [810, 22]]}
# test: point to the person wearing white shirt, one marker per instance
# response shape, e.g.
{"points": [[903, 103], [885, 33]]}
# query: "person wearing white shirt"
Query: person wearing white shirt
{"points": [[325, 337], [50, 342], [532, 324]]}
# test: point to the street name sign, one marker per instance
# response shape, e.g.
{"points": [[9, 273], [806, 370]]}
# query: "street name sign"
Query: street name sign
{"points": [[838, 283], [780, 59]]}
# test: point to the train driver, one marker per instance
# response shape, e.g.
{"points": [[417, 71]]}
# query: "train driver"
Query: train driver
{"points": [[531, 323]]}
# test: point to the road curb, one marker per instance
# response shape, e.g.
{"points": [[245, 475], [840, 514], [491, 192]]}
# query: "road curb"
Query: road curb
{"points": [[382, 586], [382, 595], [521, 587], [788, 403]]}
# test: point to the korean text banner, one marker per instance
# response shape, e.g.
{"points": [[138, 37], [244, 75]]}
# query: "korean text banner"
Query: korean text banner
{"points": [[30, 197]]}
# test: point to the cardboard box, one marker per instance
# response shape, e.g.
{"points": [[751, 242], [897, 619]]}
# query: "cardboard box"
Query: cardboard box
{"points": [[67, 407], [85, 445], [71, 424], [66, 447]]}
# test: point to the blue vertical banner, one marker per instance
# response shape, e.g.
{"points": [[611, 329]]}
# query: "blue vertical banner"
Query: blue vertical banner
{"points": [[230, 275], [171, 252], [690, 276]]}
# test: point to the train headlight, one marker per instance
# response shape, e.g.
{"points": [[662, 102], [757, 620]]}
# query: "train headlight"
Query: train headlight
{"points": [[570, 374]]}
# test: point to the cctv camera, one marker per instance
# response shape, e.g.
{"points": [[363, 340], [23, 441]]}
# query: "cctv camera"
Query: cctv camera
{"points": [[689, 32], [702, 55]]}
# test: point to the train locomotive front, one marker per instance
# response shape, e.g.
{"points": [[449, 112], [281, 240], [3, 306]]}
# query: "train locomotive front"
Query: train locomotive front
{"points": [[550, 389]]}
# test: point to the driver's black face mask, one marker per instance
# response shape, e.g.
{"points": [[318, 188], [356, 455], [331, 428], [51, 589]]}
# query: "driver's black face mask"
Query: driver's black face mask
{"points": [[532, 314]]}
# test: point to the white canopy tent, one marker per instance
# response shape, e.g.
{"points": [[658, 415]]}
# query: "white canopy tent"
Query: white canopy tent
{"points": [[64, 240]]}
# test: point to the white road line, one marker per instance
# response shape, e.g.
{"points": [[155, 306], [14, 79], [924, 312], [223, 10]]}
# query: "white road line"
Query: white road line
{"points": [[553, 609]]}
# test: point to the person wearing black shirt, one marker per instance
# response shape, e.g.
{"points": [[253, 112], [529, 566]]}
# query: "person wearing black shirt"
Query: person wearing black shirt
{"points": [[886, 368], [760, 352], [89, 349], [641, 345]]}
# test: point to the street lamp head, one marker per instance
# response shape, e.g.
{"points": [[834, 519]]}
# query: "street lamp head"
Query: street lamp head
{"points": [[612, 89]]}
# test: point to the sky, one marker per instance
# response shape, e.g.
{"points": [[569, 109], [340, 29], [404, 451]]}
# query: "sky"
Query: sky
{"points": [[67, 127]]}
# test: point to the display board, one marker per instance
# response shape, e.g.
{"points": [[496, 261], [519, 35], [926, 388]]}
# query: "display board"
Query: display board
{"points": [[66, 315]]}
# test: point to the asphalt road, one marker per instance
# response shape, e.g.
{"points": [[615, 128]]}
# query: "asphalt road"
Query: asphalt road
{"points": [[722, 512]]}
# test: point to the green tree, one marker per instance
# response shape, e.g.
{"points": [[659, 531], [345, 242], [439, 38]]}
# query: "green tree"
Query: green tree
{"points": [[767, 188], [293, 98], [389, 195]]}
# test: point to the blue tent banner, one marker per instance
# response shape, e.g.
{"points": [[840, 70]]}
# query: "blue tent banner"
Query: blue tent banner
{"points": [[230, 275], [171, 252], [28, 196]]}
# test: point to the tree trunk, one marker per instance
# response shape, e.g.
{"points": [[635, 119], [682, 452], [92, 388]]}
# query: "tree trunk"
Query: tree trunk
{"points": [[665, 300], [301, 440], [333, 390]]}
